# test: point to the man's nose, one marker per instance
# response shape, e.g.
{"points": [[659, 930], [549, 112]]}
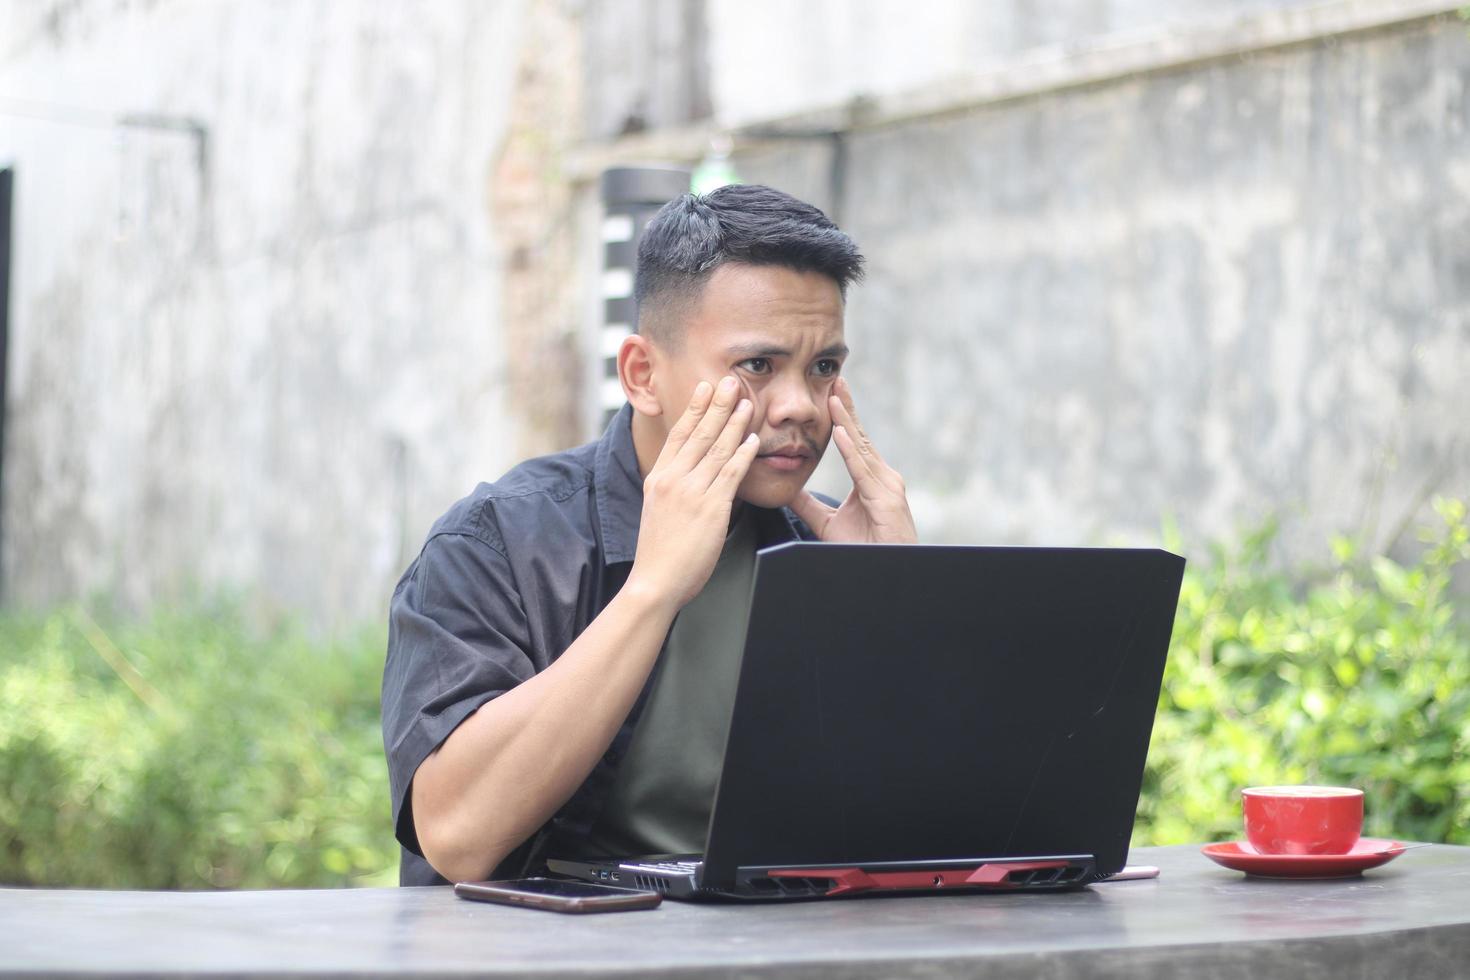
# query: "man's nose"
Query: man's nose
{"points": [[791, 400]]}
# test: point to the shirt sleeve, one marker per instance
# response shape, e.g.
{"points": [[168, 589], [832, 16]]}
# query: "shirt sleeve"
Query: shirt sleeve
{"points": [[457, 638]]}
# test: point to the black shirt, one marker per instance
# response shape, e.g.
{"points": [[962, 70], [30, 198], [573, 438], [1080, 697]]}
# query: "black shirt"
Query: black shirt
{"points": [[506, 580]]}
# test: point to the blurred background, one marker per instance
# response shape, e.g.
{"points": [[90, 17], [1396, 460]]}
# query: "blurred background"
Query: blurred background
{"points": [[283, 280]]}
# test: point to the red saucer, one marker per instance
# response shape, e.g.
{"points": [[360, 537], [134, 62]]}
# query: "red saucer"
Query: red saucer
{"points": [[1369, 852]]}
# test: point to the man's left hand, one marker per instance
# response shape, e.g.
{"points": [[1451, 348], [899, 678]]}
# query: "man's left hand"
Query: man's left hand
{"points": [[877, 509]]}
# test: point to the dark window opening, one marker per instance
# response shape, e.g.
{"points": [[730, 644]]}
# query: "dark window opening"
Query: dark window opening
{"points": [[7, 184]]}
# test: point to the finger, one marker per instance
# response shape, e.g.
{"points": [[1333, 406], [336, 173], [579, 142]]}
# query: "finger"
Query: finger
{"points": [[709, 428], [813, 511], [886, 474], [679, 434], [735, 468], [859, 466], [724, 446], [844, 414]]}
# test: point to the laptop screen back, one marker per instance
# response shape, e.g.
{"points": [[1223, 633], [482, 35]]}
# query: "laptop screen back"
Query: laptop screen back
{"points": [[902, 703]]}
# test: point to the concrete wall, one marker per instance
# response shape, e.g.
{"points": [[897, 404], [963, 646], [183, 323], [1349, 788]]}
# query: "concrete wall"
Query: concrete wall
{"points": [[646, 65], [1215, 292], [268, 354], [269, 361], [659, 64], [770, 58], [1224, 281]]}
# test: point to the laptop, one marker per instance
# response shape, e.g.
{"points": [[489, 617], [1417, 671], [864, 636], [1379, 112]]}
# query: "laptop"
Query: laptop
{"points": [[929, 718]]}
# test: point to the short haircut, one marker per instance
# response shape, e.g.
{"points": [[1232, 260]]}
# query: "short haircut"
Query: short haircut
{"points": [[694, 234]]}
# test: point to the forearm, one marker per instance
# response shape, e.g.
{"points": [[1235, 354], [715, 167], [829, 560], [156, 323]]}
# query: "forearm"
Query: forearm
{"points": [[508, 767]]}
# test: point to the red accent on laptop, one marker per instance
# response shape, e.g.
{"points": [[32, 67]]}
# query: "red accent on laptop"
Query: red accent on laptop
{"points": [[848, 880]]}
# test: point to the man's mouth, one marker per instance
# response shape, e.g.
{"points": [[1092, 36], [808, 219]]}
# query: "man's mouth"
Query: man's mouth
{"points": [[786, 459]]}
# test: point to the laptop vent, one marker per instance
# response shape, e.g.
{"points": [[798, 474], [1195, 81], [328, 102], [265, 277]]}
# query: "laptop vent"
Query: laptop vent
{"points": [[650, 883], [790, 886], [1047, 876]]}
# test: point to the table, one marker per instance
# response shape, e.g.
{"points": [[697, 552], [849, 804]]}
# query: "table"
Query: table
{"points": [[1410, 917]]}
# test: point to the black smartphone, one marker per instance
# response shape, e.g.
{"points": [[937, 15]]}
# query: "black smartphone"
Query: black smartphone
{"points": [[558, 895]]}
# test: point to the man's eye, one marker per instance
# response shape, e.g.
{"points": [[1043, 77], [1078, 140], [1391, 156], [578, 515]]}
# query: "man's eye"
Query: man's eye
{"points": [[827, 367], [757, 365]]}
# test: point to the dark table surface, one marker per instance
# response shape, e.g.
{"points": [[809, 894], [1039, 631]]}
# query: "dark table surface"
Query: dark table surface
{"points": [[1410, 917]]}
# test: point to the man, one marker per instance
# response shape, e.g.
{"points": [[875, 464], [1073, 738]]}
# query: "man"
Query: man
{"points": [[562, 654]]}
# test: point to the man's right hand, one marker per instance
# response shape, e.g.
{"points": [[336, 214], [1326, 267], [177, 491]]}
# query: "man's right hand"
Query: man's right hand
{"points": [[689, 493], [507, 768]]}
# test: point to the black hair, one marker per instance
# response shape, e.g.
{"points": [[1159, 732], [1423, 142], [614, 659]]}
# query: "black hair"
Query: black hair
{"points": [[694, 234]]}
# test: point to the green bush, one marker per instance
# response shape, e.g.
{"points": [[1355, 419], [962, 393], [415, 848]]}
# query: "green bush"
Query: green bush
{"points": [[1353, 674], [189, 751]]}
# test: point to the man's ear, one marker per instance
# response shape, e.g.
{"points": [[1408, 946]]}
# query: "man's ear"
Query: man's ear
{"points": [[636, 361]]}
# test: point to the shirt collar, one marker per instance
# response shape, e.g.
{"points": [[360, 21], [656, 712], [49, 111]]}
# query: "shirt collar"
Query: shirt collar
{"points": [[619, 491], [619, 488]]}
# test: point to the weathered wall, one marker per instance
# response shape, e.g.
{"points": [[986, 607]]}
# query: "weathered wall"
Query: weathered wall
{"points": [[1215, 292], [1221, 290], [645, 64], [537, 227], [267, 366], [770, 58]]}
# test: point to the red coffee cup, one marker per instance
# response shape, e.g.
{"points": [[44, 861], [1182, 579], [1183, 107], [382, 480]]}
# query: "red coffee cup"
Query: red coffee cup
{"points": [[1303, 819]]}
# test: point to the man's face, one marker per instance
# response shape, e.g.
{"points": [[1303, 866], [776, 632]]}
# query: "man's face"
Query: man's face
{"points": [[779, 333]]}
